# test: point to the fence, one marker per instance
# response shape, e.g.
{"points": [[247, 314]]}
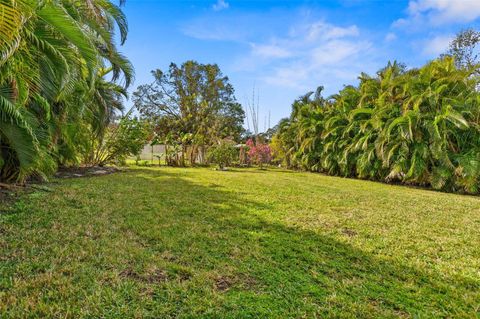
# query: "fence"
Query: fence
{"points": [[156, 154], [150, 153]]}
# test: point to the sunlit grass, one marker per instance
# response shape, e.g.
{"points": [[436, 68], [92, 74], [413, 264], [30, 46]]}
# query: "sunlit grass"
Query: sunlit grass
{"points": [[198, 243]]}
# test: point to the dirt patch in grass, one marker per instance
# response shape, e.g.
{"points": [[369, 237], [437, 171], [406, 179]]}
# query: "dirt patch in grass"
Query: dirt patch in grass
{"points": [[149, 278], [157, 276], [349, 232], [4, 195], [76, 172], [8, 196], [223, 283], [130, 274], [184, 276]]}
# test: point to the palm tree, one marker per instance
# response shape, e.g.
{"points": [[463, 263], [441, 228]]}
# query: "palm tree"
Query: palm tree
{"points": [[52, 55], [420, 126]]}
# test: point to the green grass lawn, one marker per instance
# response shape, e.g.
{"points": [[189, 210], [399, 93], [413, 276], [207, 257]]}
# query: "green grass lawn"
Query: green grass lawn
{"points": [[198, 243]]}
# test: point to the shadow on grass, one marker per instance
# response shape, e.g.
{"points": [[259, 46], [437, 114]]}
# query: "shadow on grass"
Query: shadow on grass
{"points": [[295, 271], [164, 244], [261, 170]]}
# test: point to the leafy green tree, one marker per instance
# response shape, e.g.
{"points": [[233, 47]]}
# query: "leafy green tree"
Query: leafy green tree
{"points": [[193, 103], [464, 47], [126, 139]]}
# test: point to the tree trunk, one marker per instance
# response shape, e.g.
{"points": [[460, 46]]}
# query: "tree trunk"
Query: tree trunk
{"points": [[167, 157], [182, 158]]}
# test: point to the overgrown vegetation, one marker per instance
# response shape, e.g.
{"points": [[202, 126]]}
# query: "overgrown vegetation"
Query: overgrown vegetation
{"points": [[124, 139], [193, 243], [61, 81], [418, 126]]}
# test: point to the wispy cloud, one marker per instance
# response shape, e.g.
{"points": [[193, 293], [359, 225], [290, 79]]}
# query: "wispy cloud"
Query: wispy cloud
{"points": [[270, 51], [219, 27], [311, 54], [322, 30], [301, 55], [437, 45], [439, 12], [390, 37], [220, 5], [337, 51]]}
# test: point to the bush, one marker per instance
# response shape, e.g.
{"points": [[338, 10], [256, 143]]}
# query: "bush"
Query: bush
{"points": [[223, 154], [125, 139], [279, 153], [259, 153]]}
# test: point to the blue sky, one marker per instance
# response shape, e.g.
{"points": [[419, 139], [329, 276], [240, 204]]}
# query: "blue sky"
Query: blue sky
{"points": [[287, 48]]}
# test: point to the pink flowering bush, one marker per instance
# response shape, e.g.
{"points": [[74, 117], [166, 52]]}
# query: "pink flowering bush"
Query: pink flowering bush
{"points": [[259, 153]]}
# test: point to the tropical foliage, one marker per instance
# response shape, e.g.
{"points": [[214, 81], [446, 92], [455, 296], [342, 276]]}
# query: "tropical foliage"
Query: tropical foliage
{"points": [[419, 126], [61, 81]]}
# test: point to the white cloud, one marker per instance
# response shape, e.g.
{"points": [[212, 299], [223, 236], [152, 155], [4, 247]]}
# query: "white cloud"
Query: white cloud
{"points": [[336, 51], [437, 45], [220, 5], [390, 37], [311, 54], [299, 56], [438, 12], [292, 76], [270, 51], [325, 31], [321, 30]]}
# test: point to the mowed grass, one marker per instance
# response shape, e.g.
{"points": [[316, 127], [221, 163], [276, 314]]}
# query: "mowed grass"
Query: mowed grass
{"points": [[198, 243]]}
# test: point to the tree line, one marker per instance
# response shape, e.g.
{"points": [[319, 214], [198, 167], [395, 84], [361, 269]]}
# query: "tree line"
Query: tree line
{"points": [[63, 82], [419, 126]]}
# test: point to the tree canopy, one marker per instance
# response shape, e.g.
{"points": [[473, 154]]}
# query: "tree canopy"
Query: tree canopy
{"points": [[191, 104]]}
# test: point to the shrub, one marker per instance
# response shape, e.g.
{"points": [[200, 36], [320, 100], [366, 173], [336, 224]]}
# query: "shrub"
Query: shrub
{"points": [[279, 153], [223, 154], [259, 153], [125, 139]]}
